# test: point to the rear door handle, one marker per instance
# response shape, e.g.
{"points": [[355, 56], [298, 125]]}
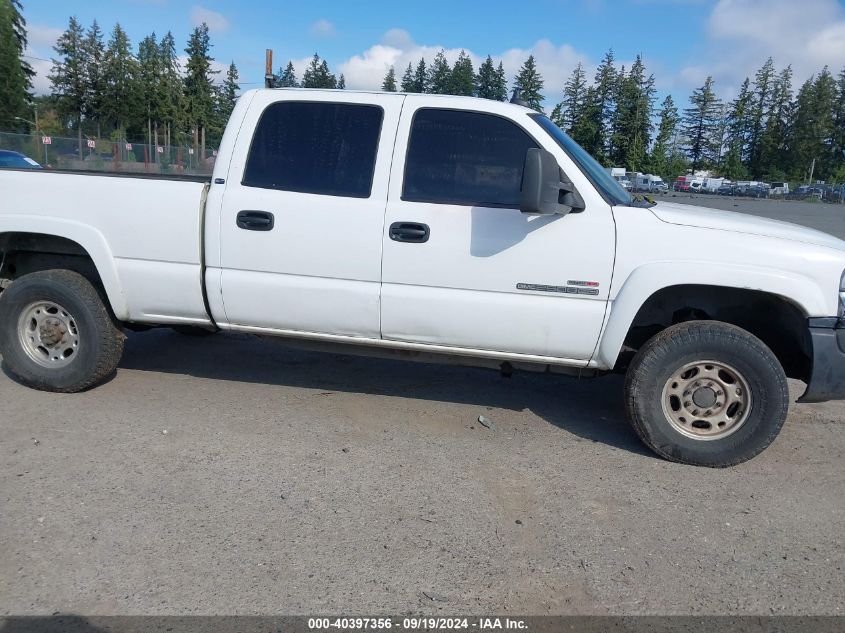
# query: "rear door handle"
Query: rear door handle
{"points": [[255, 220], [409, 232]]}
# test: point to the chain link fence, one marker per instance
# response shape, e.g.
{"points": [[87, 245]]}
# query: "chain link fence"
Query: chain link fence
{"points": [[94, 154]]}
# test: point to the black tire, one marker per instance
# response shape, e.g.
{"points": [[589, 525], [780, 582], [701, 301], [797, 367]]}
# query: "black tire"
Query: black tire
{"points": [[100, 338], [192, 330], [699, 341]]}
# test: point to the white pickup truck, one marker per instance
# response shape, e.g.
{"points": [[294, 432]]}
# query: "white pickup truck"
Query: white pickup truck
{"points": [[441, 228]]}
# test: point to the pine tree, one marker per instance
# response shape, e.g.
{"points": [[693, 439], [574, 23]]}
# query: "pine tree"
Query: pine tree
{"points": [[68, 76], [773, 145], [556, 116], [120, 96], [485, 80], [737, 133], [199, 90], [328, 79], [530, 84], [490, 82], [587, 130], [95, 51], [13, 80], [229, 91], [287, 77], [699, 124], [813, 133], [408, 84], [341, 82], [389, 83], [839, 124], [602, 108], [20, 35], [632, 118], [760, 110], [500, 87], [439, 75], [574, 93], [420, 82], [149, 82], [663, 148], [463, 76], [172, 101], [317, 74]]}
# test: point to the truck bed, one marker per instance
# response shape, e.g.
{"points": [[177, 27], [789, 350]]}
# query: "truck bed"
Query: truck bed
{"points": [[143, 232]]}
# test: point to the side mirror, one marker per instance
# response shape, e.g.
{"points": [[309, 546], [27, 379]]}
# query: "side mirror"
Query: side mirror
{"points": [[543, 193]]}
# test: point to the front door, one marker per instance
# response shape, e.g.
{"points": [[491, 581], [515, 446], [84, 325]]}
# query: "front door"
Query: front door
{"points": [[463, 267], [303, 212]]}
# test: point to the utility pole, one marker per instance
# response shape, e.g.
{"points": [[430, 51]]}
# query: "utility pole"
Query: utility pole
{"points": [[268, 68], [812, 169]]}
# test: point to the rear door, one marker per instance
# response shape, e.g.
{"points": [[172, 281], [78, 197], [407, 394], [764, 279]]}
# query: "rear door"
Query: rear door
{"points": [[303, 212], [463, 267]]}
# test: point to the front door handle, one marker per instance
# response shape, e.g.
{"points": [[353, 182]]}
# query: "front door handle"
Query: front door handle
{"points": [[409, 232], [255, 220]]}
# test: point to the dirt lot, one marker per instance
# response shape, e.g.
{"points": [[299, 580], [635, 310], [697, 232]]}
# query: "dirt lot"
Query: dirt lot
{"points": [[235, 475]]}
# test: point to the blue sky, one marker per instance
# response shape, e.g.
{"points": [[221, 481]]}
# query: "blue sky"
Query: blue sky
{"points": [[682, 41]]}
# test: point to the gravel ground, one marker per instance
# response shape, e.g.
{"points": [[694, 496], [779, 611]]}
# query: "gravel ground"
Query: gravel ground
{"points": [[235, 475]]}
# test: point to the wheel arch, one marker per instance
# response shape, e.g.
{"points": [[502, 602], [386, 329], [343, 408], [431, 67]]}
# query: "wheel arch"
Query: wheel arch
{"points": [[770, 304], [51, 243]]}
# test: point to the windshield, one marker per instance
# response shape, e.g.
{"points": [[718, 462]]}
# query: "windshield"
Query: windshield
{"points": [[612, 191]]}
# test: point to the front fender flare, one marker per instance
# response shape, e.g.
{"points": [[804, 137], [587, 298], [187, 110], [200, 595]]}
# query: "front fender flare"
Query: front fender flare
{"points": [[648, 279]]}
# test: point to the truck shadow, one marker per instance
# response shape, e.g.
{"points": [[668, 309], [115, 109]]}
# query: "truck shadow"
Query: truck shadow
{"points": [[591, 409]]}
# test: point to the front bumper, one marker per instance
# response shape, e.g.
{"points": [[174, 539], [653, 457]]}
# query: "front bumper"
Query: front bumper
{"points": [[827, 380]]}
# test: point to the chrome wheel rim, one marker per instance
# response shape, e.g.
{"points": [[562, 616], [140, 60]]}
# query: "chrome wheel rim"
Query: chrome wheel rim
{"points": [[707, 400], [49, 334]]}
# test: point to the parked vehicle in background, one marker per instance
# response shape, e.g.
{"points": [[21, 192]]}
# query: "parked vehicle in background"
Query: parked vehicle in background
{"points": [[712, 184], [726, 189], [649, 183], [758, 190], [16, 160], [807, 192], [835, 194], [435, 228], [779, 189], [696, 186], [681, 183], [620, 176]]}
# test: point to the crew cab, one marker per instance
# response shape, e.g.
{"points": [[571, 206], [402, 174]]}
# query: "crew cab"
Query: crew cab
{"points": [[442, 228]]}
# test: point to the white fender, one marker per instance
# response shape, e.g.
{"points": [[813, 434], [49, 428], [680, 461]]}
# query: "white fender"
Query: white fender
{"points": [[803, 292], [87, 237]]}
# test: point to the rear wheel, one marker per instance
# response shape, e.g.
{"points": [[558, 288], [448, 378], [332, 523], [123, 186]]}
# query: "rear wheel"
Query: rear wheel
{"points": [[56, 334], [706, 393]]}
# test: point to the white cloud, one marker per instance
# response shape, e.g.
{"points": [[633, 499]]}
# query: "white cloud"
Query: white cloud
{"points": [[39, 53], [742, 34], [322, 28], [39, 36], [217, 22]]}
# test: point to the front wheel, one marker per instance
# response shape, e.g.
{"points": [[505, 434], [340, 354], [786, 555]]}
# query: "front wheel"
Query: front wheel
{"points": [[56, 334], [706, 393]]}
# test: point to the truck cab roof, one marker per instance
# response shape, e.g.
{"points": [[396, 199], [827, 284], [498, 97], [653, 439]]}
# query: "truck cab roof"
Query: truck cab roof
{"points": [[440, 100]]}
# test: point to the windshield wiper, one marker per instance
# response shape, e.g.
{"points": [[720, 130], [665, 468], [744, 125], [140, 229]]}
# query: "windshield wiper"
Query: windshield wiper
{"points": [[642, 201]]}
